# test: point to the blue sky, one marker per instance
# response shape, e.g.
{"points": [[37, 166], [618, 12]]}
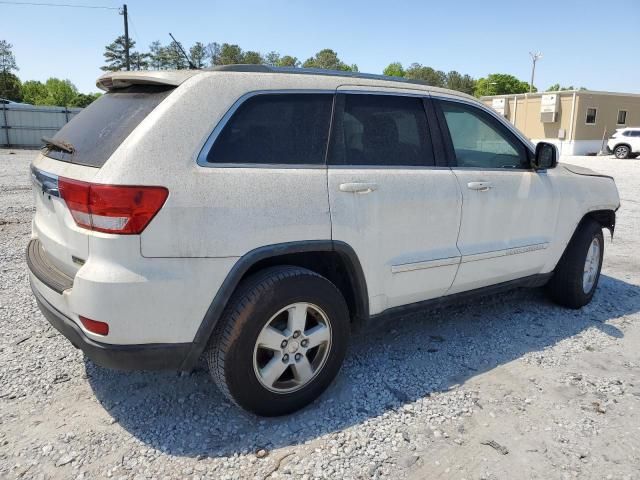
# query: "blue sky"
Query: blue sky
{"points": [[580, 43]]}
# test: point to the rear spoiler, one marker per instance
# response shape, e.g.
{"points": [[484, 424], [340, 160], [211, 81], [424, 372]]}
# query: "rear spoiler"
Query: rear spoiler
{"points": [[115, 80]]}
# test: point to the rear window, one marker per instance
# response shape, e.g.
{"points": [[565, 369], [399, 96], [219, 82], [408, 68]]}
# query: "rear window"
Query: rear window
{"points": [[99, 129]]}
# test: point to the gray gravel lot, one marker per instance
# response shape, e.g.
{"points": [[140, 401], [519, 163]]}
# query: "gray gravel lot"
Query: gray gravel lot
{"points": [[511, 386]]}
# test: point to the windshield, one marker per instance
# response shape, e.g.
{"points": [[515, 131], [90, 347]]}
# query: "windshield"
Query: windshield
{"points": [[96, 132]]}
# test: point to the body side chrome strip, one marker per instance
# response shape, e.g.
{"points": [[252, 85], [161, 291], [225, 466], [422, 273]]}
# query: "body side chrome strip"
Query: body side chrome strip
{"points": [[439, 262]]}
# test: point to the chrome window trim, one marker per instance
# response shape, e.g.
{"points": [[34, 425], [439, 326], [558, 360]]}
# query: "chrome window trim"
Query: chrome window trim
{"points": [[527, 143], [387, 167], [213, 136]]}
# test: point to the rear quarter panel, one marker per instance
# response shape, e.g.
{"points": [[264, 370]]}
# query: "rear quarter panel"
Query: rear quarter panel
{"points": [[215, 211]]}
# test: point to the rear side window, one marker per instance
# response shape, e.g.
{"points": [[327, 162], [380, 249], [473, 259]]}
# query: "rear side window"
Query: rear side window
{"points": [[276, 129], [97, 131], [386, 130]]}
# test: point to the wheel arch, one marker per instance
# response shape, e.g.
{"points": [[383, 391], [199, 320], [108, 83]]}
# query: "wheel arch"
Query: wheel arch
{"points": [[337, 261], [606, 219], [622, 144]]}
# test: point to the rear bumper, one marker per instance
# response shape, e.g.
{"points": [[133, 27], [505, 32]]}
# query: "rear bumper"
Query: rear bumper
{"points": [[156, 356]]}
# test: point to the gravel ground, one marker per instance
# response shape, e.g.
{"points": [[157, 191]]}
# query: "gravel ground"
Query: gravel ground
{"points": [[511, 386]]}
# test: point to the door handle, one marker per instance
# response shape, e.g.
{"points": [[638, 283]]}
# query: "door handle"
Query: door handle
{"points": [[358, 187], [480, 186]]}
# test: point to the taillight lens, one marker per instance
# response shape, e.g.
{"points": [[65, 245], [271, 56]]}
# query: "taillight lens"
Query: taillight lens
{"points": [[101, 328], [119, 209]]}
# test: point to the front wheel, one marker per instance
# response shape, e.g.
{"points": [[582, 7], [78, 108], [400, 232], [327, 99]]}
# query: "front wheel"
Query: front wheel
{"points": [[281, 340], [576, 276]]}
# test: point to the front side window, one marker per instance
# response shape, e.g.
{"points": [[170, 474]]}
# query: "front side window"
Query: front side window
{"points": [[479, 141], [591, 116], [289, 128], [385, 130], [622, 117]]}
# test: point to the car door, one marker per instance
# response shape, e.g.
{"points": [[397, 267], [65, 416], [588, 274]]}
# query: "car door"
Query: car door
{"points": [[509, 210], [635, 140], [388, 199]]}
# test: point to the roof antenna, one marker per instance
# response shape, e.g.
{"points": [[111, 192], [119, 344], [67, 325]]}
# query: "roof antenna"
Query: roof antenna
{"points": [[191, 65]]}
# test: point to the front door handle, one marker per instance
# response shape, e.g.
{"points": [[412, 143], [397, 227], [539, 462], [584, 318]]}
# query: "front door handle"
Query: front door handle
{"points": [[358, 187], [480, 186]]}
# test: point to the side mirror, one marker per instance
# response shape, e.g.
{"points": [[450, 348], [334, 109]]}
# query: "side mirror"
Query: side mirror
{"points": [[546, 156]]}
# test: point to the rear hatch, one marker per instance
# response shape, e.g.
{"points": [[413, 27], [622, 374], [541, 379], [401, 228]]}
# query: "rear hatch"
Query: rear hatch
{"points": [[74, 156]]}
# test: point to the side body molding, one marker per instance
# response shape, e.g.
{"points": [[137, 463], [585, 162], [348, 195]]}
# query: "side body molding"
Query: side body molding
{"points": [[244, 264]]}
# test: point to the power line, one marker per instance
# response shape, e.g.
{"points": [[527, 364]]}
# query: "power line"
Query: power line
{"points": [[135, 31], [60, 5]]}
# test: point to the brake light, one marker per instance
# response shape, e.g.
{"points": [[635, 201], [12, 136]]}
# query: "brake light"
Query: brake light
{"points": [[121, 209], [101, 328]]}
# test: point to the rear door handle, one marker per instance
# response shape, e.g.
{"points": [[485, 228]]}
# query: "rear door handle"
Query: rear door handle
{"points": [[480, 186], [358, 187]]}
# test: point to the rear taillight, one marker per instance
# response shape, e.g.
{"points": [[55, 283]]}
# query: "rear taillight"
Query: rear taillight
{"points": [[119, 209], [101, 328]]}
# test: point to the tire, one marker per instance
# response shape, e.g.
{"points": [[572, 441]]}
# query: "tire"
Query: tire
{"points": [[621, 151], [270, 306], [572, 285]]}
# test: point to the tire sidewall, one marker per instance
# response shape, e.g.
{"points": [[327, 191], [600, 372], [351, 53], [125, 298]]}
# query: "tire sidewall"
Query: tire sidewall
{"points": [[623, 156], [241, 380], [595, 233]]}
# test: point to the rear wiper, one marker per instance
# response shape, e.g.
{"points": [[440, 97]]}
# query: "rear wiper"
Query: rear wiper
{"points": [[58, 145]]}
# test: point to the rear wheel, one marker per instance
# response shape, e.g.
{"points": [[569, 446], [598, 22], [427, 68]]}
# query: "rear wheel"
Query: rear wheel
{"points": [[281, 340], [576, 276], [622, 151]]}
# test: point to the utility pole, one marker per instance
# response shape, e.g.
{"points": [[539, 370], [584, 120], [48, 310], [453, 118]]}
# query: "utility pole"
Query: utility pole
{"points": [[535, 56], [126, 36]]}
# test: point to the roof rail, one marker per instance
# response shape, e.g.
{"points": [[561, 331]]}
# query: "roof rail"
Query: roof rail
{"points": [[311, 71]]}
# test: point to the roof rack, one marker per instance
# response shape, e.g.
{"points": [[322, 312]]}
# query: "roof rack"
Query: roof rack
{"points": [[310, 71]]}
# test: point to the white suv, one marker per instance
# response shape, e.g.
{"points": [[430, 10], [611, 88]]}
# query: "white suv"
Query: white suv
{"points": [[257, 215], [625, 142]]}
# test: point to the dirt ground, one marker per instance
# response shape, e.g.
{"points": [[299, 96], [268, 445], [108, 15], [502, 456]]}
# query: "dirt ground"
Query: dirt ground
{"points": [[510, 386]]}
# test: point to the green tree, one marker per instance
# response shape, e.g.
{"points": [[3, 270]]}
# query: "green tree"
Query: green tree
{"points": [[84, 99], [272, 59], [198, 55], [10, 87], [139, 61], [7, 59], [461, 83], [288, 61], [34, 92], [60, 92], [115, 56], [157, 56], [229, 54], [557, 88], [213, 53], [500, 84], [253, 58], [394, 69], [435, 78], [173, 57], [328, 59]]}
